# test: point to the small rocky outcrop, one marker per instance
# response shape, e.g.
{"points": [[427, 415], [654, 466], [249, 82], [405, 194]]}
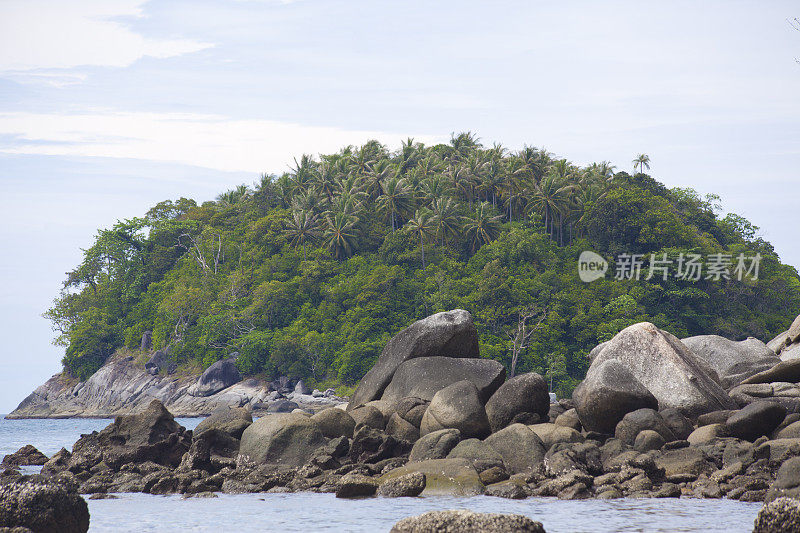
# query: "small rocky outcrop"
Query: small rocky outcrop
{"points": [[607, 394], [434, 445], [457, 406], [779, 516], [668, 369], [425, 376], [408, 485], [521, 449], [455, 477], [289, 439], [520, 395], [467, 522], [42, 505], [218, 376], [447, 334], [334, 422], [27, 455]]}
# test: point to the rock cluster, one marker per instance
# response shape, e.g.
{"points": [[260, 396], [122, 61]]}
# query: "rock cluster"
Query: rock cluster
{"points": [[652, 418]]}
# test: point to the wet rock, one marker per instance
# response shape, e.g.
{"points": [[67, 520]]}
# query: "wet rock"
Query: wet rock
{"points": [[286, 439], [334, 422], [231, 420], [372, 445], [526, 393], [448, 334], [787, 481], [667, 368], [435, 445], [494, 474], [510, 489], [457, 406], [478, 452], [27, 455], [755, 420], [568, 457], [690, 461], [455, 477], [42, 505], [467, 522], [356, 486], [58, 463], [648, 440], [425, 376], [608, 393], [778, 516], [522, 450], [408, 485]]}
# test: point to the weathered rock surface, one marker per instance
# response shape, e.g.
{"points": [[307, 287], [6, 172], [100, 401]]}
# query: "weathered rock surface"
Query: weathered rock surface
{"points": [[779, 516], [334, 422], [122, 386], [27, 455], [42, 506], [217, 377], [425, 376], [526, 393], [755, 420], [607, 394], [448, 334], [286, 439], [467, 522], [732, 361], [435, 445], [457, 406], [408, 485], [637, 421], [668, 369], [785, 371], [521, 449]]}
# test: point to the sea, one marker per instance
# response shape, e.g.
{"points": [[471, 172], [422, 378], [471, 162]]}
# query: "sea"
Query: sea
{"points": [[309, 513]]}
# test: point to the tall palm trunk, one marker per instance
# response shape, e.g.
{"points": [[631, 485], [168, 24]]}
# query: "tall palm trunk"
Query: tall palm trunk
{"points": [[422, 247]]}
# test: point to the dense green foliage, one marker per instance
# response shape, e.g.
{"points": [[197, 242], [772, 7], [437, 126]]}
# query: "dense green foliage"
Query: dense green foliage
{"points": [[308, 274]]}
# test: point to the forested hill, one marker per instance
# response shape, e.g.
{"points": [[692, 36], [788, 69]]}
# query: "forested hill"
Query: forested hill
{"points": [[309, 273]]}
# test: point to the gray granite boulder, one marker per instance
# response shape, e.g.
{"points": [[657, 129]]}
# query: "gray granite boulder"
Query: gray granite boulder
{"points": [[229, 419], [668, 369], [779, 516], [607, 394], [457, 406], [217, 377], [526, 393], [467, 522], [733, 361], [521, 449], [286, 439], [425, 376], [42, 506], [447, 334]]}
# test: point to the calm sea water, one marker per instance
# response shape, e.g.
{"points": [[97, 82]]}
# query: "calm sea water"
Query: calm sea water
{"points": [[323, 512]]}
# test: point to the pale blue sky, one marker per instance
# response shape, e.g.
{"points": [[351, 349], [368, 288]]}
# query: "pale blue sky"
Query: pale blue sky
{"points": [[109, 106]]}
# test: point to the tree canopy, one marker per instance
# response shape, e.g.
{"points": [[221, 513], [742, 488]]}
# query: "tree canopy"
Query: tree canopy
{"points": [[309, 273]]}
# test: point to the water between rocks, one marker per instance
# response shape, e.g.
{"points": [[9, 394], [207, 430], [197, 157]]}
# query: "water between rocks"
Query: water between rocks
{"points": [[323, 512]]}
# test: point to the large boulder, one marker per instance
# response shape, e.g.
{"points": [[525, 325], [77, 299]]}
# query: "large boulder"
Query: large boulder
{"points": [[456, 477], [448, 334], [755, 420], [732, 361], [218, 376], [478, 452], [434, 445], [228, 419], [463, 521], [42, 506], [150, 435], [521, 449], [27, 455], [527, 393], [457, 406], [787, 481], [287, 439], [667, 368], [608, 393], [334, 422], [425, 376]]}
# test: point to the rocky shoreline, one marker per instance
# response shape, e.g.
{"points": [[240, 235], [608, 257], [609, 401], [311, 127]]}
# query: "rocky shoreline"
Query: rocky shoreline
{"points": [[655, 417]]}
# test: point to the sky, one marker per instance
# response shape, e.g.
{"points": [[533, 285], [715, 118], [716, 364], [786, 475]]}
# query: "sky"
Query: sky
{"points": [[109, 106]]}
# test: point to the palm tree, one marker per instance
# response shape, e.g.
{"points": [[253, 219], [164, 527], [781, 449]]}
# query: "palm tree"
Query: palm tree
{"points": [[302, 173], [434, 188], [445, 218], [324, 178], [550, 198], [642, 161], [302, 228], [481, 227], [375, 177], [397, 200], [422, 224], [341, 235], [463, 144]]}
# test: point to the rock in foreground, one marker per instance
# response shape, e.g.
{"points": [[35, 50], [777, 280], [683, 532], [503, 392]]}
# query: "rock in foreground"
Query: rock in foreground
{"points": [[467, 522], [42, 506], [779, 516]]}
